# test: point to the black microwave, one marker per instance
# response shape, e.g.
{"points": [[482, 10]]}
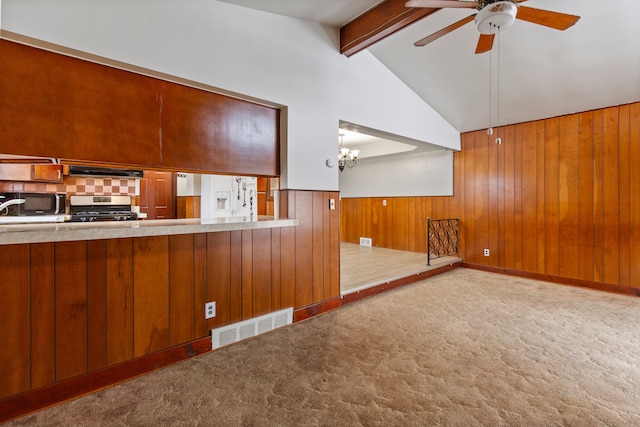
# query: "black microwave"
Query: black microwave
{"points": [[30, 204]]}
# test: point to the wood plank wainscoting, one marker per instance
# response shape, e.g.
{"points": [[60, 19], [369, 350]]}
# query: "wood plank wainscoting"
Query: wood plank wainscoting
{"points": [[401, 224], [558, 200], [78, 316]]}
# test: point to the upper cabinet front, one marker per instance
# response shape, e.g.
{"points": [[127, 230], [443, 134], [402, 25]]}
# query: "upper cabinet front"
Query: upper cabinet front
{"points": [[61, 107], [30, 172], [215, 132]]}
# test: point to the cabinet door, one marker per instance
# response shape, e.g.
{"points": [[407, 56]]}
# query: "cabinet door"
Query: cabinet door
{"points": [[30, 172], [157, 193], [47, 173], [15, 172]]}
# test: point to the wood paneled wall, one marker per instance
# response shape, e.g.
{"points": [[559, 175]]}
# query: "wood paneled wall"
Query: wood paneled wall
{"points": [[316, 245], [86, 112], [559, 197], [400, 224], [71, 308]]}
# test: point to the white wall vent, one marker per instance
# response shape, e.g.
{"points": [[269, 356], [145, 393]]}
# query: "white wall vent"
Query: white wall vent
{"points": [[365, 241], [230, 334]]}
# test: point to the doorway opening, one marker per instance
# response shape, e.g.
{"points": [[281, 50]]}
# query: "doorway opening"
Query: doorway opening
{"points": [[383, 212]]}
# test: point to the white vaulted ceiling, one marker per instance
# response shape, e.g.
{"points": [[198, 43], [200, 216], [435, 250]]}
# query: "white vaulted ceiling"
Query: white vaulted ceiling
{"points": [[542, 72]]}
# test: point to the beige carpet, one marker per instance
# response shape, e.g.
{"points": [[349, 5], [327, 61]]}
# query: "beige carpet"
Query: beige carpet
{"points": [[465, 348]]}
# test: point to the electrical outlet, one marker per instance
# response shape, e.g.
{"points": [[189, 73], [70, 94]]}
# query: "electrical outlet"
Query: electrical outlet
{"points": [[210, 310], [486, 252], [384, 203]]}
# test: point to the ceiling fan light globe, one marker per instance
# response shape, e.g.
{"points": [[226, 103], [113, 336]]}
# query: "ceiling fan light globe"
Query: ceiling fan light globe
{"points": [[496, 17]]}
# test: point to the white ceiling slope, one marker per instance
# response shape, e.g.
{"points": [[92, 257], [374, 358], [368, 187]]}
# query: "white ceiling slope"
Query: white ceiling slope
{"points": [[542, 72]]}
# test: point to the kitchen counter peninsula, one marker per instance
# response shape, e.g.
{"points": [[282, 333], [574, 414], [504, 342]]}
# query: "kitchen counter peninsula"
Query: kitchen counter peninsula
{"points": [[71, 231]]}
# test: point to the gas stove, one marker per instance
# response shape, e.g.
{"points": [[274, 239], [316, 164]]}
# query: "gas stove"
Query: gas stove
{"points": [[87, 216], [100, 208]]}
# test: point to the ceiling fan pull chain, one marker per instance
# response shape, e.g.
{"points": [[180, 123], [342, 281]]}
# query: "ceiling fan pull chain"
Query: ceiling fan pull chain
{"points": [[498, 140], [490, 129]]}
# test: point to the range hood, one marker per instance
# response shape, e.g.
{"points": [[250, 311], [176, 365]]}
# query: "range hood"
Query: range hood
{"points": [[79, 170]]}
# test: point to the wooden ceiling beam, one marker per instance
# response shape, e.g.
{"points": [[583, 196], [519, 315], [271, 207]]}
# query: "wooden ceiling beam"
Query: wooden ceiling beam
{"points": [[377, 23]]}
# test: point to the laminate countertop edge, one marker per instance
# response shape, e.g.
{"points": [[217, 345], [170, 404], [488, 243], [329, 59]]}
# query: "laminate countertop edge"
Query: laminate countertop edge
{"points": [[71, 231]]}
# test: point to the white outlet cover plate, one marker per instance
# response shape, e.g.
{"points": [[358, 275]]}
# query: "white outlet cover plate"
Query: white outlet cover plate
{"points": [[210, 310]]}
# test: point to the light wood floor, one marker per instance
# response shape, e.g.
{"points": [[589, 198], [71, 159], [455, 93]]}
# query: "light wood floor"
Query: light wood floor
{"points": [[365, 266]]}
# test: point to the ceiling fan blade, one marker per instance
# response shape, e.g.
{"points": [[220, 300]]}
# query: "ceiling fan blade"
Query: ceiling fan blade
{"points": [[439, 4], [557, 20], [444, 31], [485, 43]]}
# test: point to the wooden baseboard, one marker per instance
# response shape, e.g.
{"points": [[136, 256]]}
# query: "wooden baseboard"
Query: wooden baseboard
{"points": [[607, 287], [315, 309], [364, 293], [44, 397]]}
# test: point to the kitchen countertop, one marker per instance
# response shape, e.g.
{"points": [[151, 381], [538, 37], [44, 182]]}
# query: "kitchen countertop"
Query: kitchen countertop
{"points": [[26, 219], [69, 231]]}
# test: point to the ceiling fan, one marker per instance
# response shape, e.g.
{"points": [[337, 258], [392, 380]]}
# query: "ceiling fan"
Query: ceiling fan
{"points": [[493, 16]]}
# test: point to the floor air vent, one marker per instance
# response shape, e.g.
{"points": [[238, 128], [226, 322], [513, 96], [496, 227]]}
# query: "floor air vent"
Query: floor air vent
{"points": [[230, 334], [365, 241]]}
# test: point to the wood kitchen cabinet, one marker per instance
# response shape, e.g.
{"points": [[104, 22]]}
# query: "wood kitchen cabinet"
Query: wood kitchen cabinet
{"points": [[47, 173], [201, 130], [30, 172]]}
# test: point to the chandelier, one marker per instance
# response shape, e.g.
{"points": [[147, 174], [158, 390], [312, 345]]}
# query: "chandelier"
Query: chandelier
{"points": [[346, 157]]}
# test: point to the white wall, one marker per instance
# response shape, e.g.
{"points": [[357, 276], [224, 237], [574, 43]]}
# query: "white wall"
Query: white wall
{"points": [[288, 62], [188, 184], [423, 174]]}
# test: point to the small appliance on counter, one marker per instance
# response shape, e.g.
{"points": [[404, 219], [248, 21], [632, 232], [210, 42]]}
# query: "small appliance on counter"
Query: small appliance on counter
{"points": [[21, 207], [16, 204], [100, 208]]}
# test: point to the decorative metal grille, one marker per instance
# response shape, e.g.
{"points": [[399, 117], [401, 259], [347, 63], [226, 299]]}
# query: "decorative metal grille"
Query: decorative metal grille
{"points": [[442, 238]]}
